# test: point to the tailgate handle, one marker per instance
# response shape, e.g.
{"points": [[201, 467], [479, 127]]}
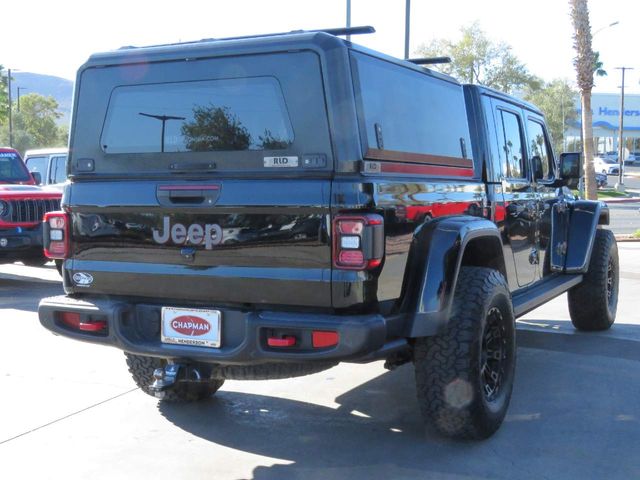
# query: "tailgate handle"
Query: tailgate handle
{"points": [[205, 195]]}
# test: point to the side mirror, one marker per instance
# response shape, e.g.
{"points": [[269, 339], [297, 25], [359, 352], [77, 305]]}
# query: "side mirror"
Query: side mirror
{"points": [[571, 168], [37, 177]]}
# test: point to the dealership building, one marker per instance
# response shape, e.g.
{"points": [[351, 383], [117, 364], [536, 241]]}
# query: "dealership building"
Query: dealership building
{"points": [[606, 122]]}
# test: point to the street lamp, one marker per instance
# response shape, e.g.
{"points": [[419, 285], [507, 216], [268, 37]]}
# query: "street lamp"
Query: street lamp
{"points": [[10, 113], [605, 27], [620, 184], [10, 105]]}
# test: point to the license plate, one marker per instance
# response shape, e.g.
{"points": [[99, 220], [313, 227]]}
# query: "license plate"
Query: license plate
{"points": [[191, 326]]}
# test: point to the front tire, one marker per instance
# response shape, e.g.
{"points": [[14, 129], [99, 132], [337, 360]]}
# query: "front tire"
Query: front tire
{"points": [[594, 302], [142, 368], [464, 376]]}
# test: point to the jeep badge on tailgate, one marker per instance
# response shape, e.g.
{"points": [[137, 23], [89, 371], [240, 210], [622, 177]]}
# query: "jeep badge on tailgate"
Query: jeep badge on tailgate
{"points": [[194, 234]]}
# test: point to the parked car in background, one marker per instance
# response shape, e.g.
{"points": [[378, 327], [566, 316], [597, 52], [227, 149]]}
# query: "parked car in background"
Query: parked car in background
{"points": [[606, 165], [50, 163], [630, 160], [22, 207]]}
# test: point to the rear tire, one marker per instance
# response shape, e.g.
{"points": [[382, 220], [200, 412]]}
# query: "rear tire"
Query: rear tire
{"points": [[142, 368], [59, 266], [464, 376], [34, 261], [594, 302]]}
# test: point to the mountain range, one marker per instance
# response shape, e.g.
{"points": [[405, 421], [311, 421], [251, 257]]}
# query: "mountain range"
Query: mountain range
{"points": [[47, 85]]}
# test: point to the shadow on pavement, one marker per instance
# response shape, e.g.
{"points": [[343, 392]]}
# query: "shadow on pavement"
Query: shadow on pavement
{"points": [[571, 416], [621, 341], [22, 295]]}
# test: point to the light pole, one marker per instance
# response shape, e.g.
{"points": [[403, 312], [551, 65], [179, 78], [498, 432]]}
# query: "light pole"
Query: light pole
{"points": [[18, 89], [620, 184], [164, 119], [348, 19], [10, 113], [407, 28]]}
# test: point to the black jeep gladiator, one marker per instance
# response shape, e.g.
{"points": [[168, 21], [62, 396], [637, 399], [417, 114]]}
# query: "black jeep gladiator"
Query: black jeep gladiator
{"points": [[265, 207]]}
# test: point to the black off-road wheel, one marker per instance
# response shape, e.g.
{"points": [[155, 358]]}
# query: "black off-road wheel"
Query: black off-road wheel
{"points": [[142, 368], [594, 302], [464, 376]]}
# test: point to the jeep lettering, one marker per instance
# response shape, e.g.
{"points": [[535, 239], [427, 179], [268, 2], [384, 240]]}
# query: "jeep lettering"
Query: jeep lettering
{"points": [[209, 235]]}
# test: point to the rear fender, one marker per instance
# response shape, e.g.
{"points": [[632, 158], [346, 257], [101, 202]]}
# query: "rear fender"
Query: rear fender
{"points": [[585, 216], [439, 248]]}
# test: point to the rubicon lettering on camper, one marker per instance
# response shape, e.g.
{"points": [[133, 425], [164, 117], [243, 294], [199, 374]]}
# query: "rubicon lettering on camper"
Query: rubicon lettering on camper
{"points": [[195, 234]]}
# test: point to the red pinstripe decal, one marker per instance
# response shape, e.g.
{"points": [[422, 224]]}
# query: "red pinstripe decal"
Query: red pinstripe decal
{"points": [[425, 170]]}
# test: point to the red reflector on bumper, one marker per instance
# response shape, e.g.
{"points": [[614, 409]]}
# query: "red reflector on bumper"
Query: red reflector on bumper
{"points": [[72, 319], [286, 341], [323, 339]]}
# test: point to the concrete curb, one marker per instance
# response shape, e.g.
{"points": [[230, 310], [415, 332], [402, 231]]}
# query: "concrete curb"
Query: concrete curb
{"points": [[626, 238], [621, 200], [578, 343]]}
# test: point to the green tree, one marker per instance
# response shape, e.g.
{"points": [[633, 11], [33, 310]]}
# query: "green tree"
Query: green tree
{"points": [[4, 96], [476, 59], [585, 63], [215, 128], [34, 126], [556, 99]]}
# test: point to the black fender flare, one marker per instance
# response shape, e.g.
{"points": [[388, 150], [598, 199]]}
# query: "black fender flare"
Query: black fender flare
{"points": [[585, 216], [435, 258]]}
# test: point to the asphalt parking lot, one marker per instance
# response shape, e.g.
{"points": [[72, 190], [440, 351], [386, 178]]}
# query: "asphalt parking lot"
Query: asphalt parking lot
{"points": [[69, 410]]}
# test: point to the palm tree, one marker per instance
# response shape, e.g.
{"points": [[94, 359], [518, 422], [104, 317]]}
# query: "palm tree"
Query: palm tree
{"points": [[584, 63], [598, 66]]}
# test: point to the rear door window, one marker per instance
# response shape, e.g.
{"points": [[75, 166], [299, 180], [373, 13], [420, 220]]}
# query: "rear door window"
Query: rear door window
{"points": [[198, 116], [539, 150], [58, 169], [511, 144]]}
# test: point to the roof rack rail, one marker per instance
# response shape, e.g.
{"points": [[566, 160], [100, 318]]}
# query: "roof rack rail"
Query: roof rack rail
{"points": [[348, 30], [429, 60], [332, 31]]}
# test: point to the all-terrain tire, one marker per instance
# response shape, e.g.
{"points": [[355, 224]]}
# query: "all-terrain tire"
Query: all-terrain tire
{"points": [[142, 368], [457, 392], [594, 302], [34, 261]]}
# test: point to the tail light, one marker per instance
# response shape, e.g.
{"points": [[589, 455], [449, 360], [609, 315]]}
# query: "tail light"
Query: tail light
{"points": [[56, 234], [358, 241]]}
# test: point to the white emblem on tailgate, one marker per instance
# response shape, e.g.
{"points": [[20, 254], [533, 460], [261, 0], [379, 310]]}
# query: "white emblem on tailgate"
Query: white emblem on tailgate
{"points": [[280, 162], [83, 279]]}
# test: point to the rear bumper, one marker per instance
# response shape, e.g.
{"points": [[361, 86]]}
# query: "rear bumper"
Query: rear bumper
{"points": [[135, 328]]}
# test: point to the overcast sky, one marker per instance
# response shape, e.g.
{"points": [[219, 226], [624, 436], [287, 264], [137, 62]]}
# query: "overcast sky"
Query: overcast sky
{"points": [[55, 38]]}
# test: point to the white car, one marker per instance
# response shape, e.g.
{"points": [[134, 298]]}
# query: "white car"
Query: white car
{"points": [[50, 163], [606, 165]]}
